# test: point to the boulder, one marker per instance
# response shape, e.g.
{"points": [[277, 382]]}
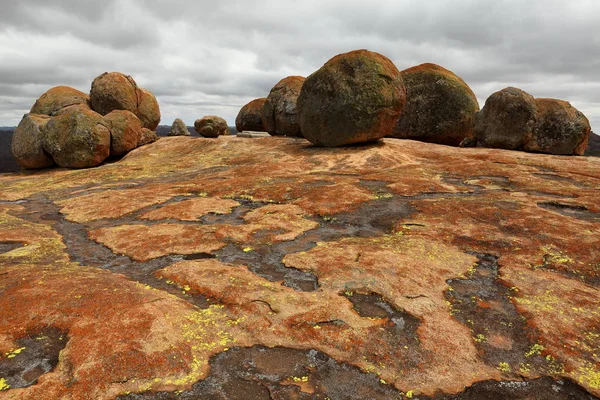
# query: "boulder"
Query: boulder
{"points": [[211, 126], [507, 120], [148, 110], [279, 114], [27, 142], [250, 116], [179, 128], [58, 98], [561, 129], [77, 139], [148, 136], [355, 97], [114, 91], [125, 131], [440, 106]]}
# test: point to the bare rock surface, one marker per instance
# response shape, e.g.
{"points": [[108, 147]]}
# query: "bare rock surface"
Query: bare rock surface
{"points": [[57, 98], [273, 269]]}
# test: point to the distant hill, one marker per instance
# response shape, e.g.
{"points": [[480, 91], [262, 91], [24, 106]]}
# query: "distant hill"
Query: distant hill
{"points": [[593, 148]]}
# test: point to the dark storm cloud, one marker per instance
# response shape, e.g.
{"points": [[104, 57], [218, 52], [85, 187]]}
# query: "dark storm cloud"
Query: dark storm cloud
{"points": [[202, 57]]}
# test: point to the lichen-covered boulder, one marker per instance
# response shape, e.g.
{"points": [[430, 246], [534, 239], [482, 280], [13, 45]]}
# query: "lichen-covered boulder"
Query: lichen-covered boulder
{"points": [[211, 126], [279, 114], [355, 97], [57, 98], [114, 91], [561, 129], [440, 106], [27, 142], [148, 110], [179, 128], [77, 139], [125, 131], [148, 136], [250, 116], [507, 120]]}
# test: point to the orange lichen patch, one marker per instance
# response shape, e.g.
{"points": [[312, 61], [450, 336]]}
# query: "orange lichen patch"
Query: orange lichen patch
{"points": [[192, 209], [122, 337], [565, 312], [145, 242]]}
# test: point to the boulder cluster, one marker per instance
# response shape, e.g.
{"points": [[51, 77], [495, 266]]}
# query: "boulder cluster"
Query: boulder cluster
{"points": [[76, 130], [361, 96]]}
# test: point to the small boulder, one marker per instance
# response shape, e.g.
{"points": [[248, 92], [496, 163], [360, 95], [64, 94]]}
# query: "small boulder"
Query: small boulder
{"points": [[57, 98], [561, 129], [507, 120], [211, 126], [179, 128], [250, 116], [125, 131], [27, 142], [279, 114], [148, 110], [148, 136], [440, 106], [355, 97], [77, 139], [114, 91]]}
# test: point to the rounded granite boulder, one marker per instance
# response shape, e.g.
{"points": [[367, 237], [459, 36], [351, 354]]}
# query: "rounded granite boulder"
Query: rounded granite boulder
{"points": [[125, 131], [148, 136], [249, 118], [279, 114], [58, 98], [148, 110], [114, 91], [211, 126], [440, 106], [179, 128], [77, 139], [561, 129], [26, 143], [355, 97], [507, 120]]}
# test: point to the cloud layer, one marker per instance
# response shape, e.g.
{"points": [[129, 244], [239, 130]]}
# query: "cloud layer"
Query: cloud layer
{"points": [[212, 57]]}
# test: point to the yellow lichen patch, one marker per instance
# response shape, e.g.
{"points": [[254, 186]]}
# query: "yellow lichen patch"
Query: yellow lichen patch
{"points": [[3, 384], [192, 209], [13, 353]]}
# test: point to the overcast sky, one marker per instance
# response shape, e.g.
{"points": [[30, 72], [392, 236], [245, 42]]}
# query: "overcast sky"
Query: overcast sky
{"points": [[211, 57]]}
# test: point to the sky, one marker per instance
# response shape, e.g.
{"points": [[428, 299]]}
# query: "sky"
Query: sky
{"points": [[212, 57]]}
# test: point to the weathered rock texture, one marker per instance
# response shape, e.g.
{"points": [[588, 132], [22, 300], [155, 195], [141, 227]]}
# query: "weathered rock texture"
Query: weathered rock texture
{"points": [[265, 268], [440, 106], [125, 131], [179, 128], [58, 98], [279, 114], [211, 126], [27, 142], [77, 139], [148, 110], [355, 97], [148, 136], [114, 91], [250, 116]]}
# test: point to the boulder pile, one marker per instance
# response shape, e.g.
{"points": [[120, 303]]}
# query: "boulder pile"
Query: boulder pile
{"points": [[76, 130], [211, 126]]}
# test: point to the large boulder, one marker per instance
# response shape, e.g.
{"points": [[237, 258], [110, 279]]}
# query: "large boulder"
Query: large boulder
{"points": [[27, 142], [114, 91], [125, 131], [179, 128], [211, 126], [77, 139], [148, 136], [355, 97], [507, 120], [440, 106], [561, 129], [250, 116], [148, 110], [279, 114], [57, 98]]}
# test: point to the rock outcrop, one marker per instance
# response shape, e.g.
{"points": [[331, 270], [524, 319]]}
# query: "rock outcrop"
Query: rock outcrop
{"points": [[439, 108], [125, 131], [279, 114], [250, 116], [77, 139], [355, 97], [211, 126], [179, 128], [27, 142], [148, 110], [57, 98]]}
